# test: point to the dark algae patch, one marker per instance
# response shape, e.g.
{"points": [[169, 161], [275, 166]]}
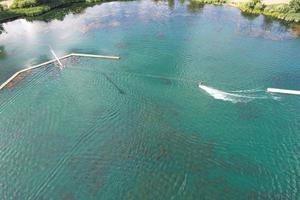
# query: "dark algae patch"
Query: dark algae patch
{"points": [[17, 79], [247, 111], [113, 83]]}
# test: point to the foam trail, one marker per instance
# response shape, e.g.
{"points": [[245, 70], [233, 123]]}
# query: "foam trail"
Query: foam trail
{"points": [[277, 98], [248, 91], [225, 96]]}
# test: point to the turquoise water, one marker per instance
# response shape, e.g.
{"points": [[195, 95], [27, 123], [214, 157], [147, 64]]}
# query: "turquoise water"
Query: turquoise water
{"points": [[140, 127]]}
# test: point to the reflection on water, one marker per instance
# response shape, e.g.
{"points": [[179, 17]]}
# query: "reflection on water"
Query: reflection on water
{"points": [[60, 13], [269, 29], [140, 127], [101, 28], [192, 6], [2, 52], [296, 29], [195, 7], [1, 29]]}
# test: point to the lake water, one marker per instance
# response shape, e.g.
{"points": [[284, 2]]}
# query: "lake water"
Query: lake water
{"points": [[140, 127]]}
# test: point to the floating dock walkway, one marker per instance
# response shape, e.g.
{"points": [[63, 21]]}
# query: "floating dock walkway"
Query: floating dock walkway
{"points": [[282, 91], [95, 56], [54, 60]]}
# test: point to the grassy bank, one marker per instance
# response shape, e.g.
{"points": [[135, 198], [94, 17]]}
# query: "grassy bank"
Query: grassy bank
{"points": [[287, 12]]}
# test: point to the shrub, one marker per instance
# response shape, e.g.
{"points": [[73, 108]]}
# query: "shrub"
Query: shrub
{"points": [[31, 12], [259, 6], [252, 4], [293, 17], [1, 7], [280, 8], [295, 5], [23, 3]]}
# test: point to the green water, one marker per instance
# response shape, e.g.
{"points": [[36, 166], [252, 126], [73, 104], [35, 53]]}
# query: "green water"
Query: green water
{"points": [[140, 127]]}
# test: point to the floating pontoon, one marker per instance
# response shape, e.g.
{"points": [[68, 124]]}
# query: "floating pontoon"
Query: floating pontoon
{"points": [[283, 91], [57, 60]]}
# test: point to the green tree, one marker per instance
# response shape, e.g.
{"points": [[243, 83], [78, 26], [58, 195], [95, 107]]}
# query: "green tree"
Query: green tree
{"points": [[295, 5], [23, 3]]}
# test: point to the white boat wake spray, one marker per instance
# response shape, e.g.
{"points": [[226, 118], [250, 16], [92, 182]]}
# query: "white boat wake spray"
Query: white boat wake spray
{"points": [[57, 59], [234, 97]]}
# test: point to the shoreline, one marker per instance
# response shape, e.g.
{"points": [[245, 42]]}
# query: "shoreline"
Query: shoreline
{"points": [[38, 12], [276, 15], [54, 11], [280, 11]]}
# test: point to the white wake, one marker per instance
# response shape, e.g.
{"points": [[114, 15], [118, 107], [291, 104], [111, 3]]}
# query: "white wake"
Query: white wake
{"points": [[234, 97]]}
